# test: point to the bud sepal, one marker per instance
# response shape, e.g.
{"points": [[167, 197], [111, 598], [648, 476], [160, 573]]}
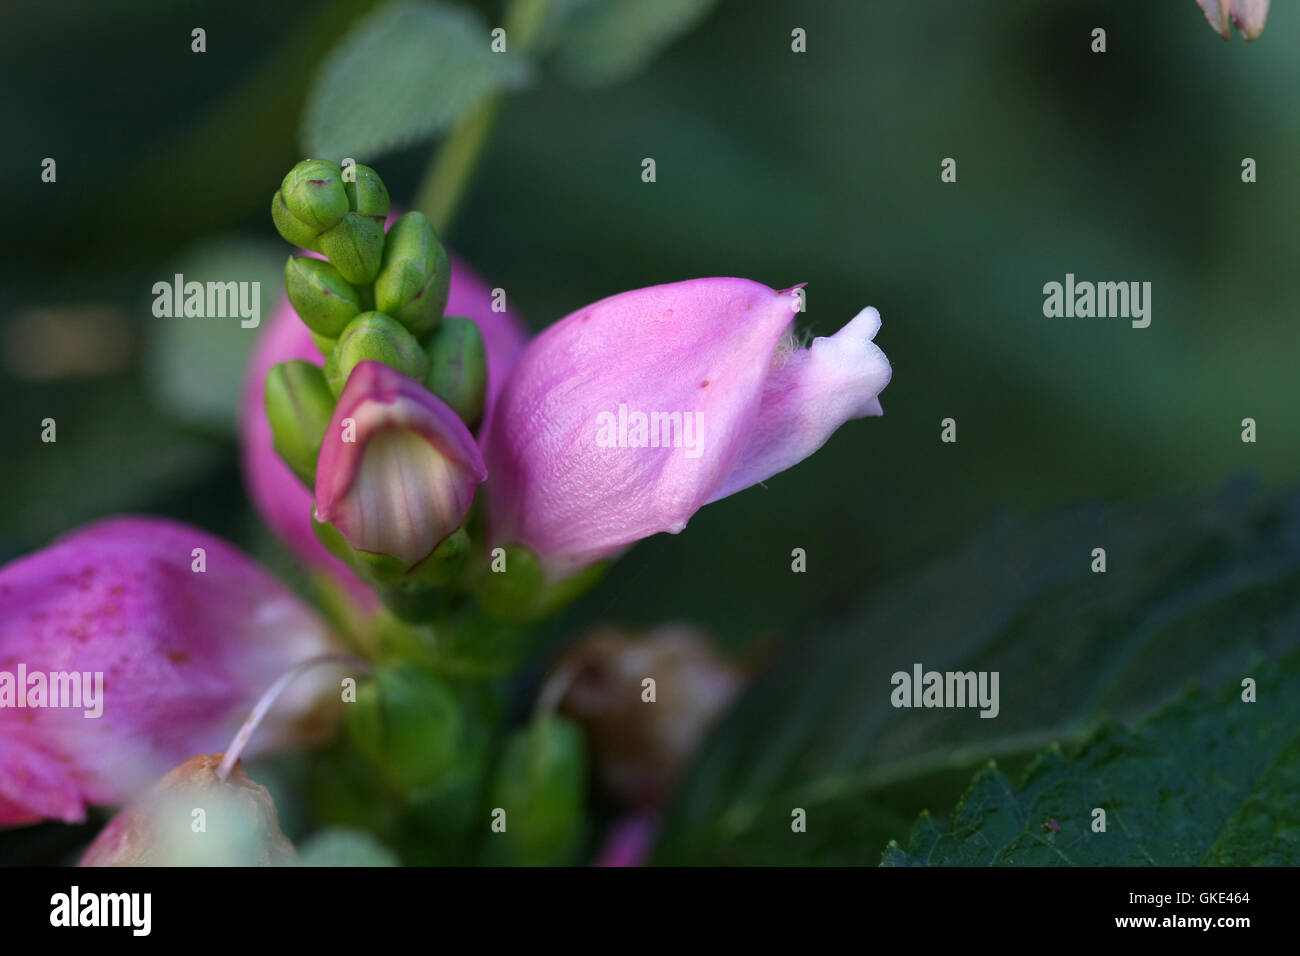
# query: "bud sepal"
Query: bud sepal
{"points": [[323, 299]]}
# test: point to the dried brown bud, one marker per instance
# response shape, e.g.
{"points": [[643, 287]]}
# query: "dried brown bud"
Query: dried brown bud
{"points": [[640, 746], [191, 817]]}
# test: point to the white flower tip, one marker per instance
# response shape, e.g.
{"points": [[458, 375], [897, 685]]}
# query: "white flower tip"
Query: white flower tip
{"points": [[852, 358], [863, 325]]}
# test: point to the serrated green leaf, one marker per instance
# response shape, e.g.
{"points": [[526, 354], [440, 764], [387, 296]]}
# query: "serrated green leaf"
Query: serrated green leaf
{"points": [[405, 72], [1192, 593], [603, 41], [1209, 780], [343, 846]]}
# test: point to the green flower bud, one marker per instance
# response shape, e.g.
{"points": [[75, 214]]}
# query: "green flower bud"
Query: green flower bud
{"points": [[294, 230], [367, 195], [313, 192], [415, 278], [323, 299], [443, 822], [541, 784], [410, 724], [355, 246], [458, 368], [374, 336], [299, 405]]}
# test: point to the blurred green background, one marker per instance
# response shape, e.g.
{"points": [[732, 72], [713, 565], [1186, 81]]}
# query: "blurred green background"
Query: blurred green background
{"points": [[820, 167]]}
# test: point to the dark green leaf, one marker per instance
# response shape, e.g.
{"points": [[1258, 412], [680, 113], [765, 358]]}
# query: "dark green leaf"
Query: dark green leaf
{"points": [[1206, 781], [1191, 593]]}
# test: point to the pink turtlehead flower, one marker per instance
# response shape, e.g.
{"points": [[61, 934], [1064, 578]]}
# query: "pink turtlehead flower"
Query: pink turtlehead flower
{"points": [[280, 498], [171, 657], [626, 417], [397, 468]]}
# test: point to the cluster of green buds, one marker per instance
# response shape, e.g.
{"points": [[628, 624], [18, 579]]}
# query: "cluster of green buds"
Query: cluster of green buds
{"points": [[383, 432]]}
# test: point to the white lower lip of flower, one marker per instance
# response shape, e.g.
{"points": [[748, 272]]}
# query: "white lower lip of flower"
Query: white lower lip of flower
{"points": [[403, 502]]}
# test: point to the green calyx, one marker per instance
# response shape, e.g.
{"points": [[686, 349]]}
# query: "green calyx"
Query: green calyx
{"points": [[458, 368], [415, 276], [439, 569], [373, 336], [418, 593], [516, 588], [299, 405], [411, 593], [323, 299]]}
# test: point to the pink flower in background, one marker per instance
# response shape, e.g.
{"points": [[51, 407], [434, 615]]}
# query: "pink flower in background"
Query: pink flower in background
{"points": [[281, 499], [402, 478], [1248, 16], [576, 459], [630, 840], [183, 654]]}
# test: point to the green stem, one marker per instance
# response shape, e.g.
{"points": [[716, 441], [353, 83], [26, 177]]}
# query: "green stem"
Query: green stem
{"points": [[445, 181], [444, 184]]}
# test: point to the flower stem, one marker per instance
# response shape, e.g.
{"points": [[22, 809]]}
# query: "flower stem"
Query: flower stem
{"points": [[267, 700], [453, 164], [447, 178]]}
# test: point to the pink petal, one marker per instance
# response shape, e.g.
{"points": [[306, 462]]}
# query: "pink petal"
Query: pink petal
{"points": [[183, 655], [1249, 16], [698, 346], [1216, 12], [710, 351], [808, 395]]}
